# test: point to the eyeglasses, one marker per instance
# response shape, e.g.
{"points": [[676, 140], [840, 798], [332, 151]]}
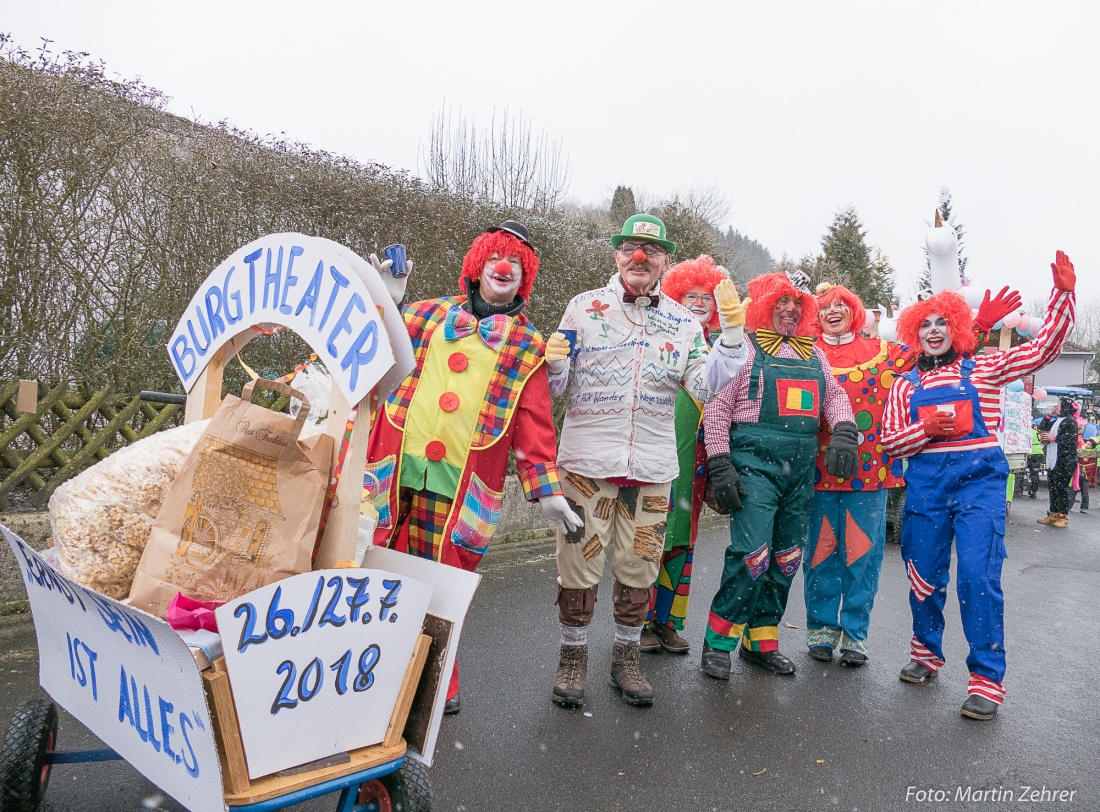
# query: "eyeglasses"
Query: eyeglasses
{"points": [[698, 297], [788, 301], [649, 250]]}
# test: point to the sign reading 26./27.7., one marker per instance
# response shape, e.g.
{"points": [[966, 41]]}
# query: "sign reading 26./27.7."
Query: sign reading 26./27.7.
{"points": [[307, 653]]}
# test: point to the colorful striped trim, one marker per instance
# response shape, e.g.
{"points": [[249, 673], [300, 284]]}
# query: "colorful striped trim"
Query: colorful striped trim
{"points": [[921, 588], [762, 638], [984, 686], [539, 480], [724, 628], [918, 653]]}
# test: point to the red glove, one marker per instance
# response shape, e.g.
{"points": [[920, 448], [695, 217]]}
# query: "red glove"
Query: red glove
{"points": [[939, 425], [1064, 277], [992, 311]]}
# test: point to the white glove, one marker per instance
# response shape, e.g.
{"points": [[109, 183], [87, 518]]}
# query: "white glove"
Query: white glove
{"points": [[395, 285], [559, 515]]}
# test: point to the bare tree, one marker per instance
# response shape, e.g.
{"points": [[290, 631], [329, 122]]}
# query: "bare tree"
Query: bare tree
{"points": [[507, 163]]}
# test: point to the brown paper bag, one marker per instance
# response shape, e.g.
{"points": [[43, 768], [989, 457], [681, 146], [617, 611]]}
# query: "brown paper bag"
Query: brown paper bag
{"points": [[244, 510]]}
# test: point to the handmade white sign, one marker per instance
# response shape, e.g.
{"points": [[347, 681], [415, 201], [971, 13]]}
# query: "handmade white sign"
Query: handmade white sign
{"points": [[1017, 422], [301, 283], [128, 677], [454, 591], [318, 660]]}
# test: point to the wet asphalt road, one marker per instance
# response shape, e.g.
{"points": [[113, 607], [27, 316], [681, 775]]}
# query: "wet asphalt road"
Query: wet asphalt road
{"points": [[827, 738]]}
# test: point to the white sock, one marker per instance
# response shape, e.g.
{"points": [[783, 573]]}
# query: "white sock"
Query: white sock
{"points": [[627, 634], [574, 635]]}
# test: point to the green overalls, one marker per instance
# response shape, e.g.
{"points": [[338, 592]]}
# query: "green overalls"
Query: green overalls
{"points": [[775, 457]]}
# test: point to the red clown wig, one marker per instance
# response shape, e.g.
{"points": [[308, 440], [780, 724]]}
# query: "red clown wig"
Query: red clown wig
{"points": [[766, 291], [701, 272], [835, 293], [953, 307], [502, 244]]}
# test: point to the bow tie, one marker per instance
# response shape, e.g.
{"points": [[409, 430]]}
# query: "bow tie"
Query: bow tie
{"points": [[770, 342], [492, 329]]}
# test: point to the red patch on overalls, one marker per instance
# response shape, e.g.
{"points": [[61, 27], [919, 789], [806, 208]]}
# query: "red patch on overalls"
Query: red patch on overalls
{"points": [[799, 398], [757, 561], [962, 409], [788, 560]]}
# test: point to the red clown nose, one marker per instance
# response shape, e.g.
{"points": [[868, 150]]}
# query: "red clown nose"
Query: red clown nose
{"points": [[504, 267], [638, 257]]}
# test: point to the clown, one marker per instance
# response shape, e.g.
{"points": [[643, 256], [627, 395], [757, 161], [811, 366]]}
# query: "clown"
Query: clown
{"points": [[692, 283], [761, 439], [438, 451], [941, 417], [634, 349]]}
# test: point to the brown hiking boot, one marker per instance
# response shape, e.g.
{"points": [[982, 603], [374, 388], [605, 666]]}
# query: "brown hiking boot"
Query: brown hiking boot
{"points": [[626, 675], [650, 641], [1048, 519], [569, 681], [1059, 520], [668, 638]]}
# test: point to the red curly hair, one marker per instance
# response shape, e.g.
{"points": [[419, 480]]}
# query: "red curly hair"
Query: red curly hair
{"points": [[766, 291], [953, 307], [855, 304], [701, 272], [501, 243]]}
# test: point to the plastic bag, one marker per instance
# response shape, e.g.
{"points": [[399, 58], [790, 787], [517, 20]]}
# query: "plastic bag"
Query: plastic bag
{"points": [[101, 519]]}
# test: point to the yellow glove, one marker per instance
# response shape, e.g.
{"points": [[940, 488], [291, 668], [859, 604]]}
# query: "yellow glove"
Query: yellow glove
{"points": [[557, 348], [731, 312]]}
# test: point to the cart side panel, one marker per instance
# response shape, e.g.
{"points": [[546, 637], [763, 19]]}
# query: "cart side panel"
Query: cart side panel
{"points": [[128, 677]]}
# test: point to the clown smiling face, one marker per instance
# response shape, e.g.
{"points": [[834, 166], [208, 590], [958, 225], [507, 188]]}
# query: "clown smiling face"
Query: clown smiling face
{"points": [[835, 318], [641, 264], [500, 279], [700, 302], [934, 334], [786, 315]]}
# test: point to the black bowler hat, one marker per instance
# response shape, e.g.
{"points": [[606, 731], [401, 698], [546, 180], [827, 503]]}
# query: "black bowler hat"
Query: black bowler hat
{"points": [[517, 230]]}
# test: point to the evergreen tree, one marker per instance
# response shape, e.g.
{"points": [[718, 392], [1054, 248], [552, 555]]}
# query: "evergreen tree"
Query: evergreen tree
{"points": [[622, 204], [745, 258], [845, 254]]}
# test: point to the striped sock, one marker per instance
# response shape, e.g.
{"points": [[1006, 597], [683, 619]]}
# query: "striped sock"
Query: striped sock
{"points": [[984, 686]]}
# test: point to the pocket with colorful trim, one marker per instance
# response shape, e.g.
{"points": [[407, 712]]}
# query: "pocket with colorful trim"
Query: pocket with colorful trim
{"points": [[377, 487], [478, 517]]}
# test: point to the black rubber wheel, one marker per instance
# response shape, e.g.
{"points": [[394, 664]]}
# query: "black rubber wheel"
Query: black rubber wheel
{"points": [[404, 790], [24, 772]]}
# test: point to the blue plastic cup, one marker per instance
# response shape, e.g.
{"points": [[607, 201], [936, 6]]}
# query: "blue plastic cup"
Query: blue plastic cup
{"points": [[399, 256], [571, 337]]}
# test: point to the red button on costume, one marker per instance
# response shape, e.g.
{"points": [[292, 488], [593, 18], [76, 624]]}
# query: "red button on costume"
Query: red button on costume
{"points": [[435, 451], [448, 401], [458, 362]]}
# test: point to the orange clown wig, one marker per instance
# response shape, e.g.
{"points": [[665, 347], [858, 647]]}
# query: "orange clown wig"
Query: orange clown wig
{"points": [[766, 291], [828, 294], [502, 244], [953, 307], [701, 272]]}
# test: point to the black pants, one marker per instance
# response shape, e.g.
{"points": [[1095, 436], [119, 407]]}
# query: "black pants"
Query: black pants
{"points": [[1034, 463], [1084, 494], [1060, 482]]}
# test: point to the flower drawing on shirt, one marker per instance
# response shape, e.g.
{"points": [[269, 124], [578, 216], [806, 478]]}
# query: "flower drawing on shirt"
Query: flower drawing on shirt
{"points": [[670, 354], [597, 309]]}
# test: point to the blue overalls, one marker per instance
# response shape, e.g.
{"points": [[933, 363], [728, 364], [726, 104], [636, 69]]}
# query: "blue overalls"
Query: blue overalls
{"points": [[960, 494]]}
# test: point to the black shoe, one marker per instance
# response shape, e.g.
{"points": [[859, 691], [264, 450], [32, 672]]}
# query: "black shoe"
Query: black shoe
{"points": [[822, 653], [773, 661], [916, 673], [978, 707], [716, 663], [852, 658], [452, 706]]}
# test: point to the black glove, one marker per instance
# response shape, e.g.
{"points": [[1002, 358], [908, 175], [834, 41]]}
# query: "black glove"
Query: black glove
{"points": [[841, 456], [728, 487]]}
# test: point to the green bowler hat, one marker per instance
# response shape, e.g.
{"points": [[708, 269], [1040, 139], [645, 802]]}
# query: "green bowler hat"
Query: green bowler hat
{"points": [[644, 227]]}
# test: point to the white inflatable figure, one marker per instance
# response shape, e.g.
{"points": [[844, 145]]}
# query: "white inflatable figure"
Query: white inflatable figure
{"points": [[315, 383], [943, 255]]}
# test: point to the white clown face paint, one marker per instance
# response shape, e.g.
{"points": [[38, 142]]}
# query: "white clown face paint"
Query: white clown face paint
{"points": [[835, 318], [934, 334], [700, 302], [500, 279]]}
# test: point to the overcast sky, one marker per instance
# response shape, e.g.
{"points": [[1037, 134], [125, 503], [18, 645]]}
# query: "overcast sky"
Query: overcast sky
{"points": [[793, 110]]}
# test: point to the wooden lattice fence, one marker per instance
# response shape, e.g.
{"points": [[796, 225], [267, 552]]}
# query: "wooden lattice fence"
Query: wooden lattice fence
{"points": [[68, 431]]}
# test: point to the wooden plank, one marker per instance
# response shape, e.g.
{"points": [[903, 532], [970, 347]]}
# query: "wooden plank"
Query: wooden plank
{"points": [[8, 391], [219, 696], [206, 393], [342, 527], [420, 716], [274, 786], [27, 399], [164, 416], [408, 692], [20, 423]]}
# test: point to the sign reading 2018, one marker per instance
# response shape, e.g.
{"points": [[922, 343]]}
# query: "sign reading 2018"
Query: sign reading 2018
{"points": [[351, 670]]}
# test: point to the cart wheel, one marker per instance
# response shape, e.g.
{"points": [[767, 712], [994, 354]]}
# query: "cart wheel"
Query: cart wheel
{"points": [[405, 790], [24, 772]]}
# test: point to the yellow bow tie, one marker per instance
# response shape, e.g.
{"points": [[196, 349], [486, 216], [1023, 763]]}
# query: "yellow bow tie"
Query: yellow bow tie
{"points": [[770, 342]]}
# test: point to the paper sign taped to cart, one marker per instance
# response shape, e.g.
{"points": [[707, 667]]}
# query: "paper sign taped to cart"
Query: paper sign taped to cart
{"points": [[317, 661], [128, 677], [302, 283]]}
